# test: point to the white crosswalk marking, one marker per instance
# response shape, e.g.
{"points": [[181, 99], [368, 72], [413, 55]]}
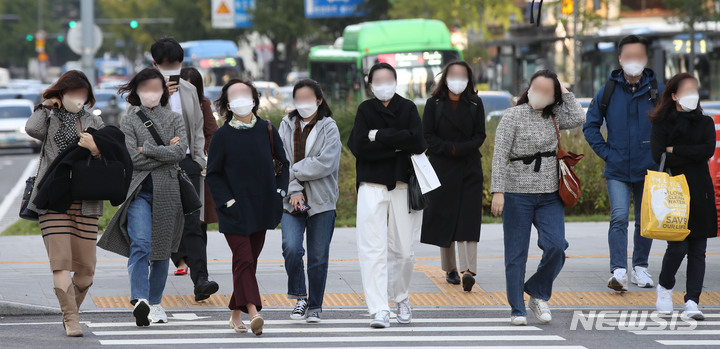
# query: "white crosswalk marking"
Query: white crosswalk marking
{"points": [[354, 333], [677, 332]]}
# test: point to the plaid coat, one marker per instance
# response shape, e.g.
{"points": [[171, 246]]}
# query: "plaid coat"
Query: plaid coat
{"points": [[160, 161]]}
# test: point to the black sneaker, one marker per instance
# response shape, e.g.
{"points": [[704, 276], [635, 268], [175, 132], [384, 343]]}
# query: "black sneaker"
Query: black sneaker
{"points": [[453, 277], [313, 317], [300, 310], [204, 289], [141, 312], [468, 282]]}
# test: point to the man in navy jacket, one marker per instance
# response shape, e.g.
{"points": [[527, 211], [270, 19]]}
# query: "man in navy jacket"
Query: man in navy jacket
{"points": [[630, 97]]}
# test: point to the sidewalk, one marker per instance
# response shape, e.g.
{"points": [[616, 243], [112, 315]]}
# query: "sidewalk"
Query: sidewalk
{"points": [[25, 277]]}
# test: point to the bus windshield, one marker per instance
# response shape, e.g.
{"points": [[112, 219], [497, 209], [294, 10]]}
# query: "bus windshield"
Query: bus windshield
{"points": [[416, 70]]}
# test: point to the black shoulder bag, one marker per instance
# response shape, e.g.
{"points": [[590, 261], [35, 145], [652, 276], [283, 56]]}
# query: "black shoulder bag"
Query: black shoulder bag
{"points": [[25, 212], [188, 196]]}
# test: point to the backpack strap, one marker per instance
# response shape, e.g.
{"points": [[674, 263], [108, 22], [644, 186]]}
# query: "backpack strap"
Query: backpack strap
{"points": [[654, 92], [607, 95], [150, 127], [272, 139]]}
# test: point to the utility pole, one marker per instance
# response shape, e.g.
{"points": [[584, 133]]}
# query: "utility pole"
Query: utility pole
{"points": [[576, 48], [87, 16]]}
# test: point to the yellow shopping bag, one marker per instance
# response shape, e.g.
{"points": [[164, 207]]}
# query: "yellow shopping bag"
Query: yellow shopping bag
{"points": [[665, 206]]}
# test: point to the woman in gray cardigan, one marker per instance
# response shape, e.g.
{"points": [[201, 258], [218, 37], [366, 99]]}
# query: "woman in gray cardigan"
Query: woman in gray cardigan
{"points": [[525, 189], [312, 145], [148, 226], [69, 236]]}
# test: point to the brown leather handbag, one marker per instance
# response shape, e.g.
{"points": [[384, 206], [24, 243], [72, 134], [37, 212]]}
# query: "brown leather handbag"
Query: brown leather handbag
{"points": [[570, 186]]}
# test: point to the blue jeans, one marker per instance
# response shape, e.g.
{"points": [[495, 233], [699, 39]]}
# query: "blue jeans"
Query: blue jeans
{"points": [[619, 194], [139, 228], [320, 229], [520, 213]]}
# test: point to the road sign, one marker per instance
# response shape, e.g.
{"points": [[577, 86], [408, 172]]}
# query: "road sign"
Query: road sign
{"points": [[74, 38], [232, 13], [332, 8]]}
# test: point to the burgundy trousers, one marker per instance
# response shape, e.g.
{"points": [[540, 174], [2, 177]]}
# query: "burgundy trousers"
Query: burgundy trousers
{"points": [[245, 253]]}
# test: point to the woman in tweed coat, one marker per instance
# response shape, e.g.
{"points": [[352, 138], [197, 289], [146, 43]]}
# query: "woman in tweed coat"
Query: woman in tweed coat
{"points": [[148, 226], [525, 189]]}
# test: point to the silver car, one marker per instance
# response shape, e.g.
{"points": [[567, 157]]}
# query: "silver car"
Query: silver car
{"points": [[14, 113]]}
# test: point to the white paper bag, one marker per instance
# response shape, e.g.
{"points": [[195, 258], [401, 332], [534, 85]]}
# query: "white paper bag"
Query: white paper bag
{"points": [[426, 176]]}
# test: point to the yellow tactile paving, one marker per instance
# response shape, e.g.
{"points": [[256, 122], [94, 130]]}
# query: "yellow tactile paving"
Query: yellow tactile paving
{"points": [[448, 295]]}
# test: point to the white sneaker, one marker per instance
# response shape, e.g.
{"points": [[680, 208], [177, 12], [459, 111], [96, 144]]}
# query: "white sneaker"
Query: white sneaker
{"points": [[518, 320], [541, 310], [381, 320], [664, 303], [157, 314], [692, 311], [618, 281], [641, 277], [404, 313]]}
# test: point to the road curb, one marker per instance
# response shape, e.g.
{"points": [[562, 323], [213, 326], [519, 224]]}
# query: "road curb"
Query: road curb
{"points": [[8, 308]]}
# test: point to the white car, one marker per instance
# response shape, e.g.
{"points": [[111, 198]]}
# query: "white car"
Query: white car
{"points": [[14, 113], [269, 94]]}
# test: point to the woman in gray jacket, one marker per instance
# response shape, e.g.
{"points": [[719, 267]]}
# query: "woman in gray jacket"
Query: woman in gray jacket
{"points": [[525, 189], [69, 236], [312, 145], [148, 226]]}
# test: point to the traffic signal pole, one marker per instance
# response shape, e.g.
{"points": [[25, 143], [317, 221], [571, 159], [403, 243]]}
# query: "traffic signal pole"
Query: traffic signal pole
{"points": [[87, 16]]}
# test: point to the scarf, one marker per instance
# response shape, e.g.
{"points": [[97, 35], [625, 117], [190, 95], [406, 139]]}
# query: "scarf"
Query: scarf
{"points": [[235, 123], [67, 134]]}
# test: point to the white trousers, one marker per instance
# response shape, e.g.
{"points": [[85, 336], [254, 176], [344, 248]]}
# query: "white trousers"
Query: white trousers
{"points": [[385, 236]]}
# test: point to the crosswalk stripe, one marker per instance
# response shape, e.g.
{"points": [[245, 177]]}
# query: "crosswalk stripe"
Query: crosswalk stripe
{"points": [[684, 342], [293, 330], [305, 340], [295, 322], [676, 332]]}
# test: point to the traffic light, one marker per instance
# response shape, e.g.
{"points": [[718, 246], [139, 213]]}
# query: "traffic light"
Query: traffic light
{"points": [[567, 7], [60, 38], [72, 24], [29, 37], [133, 24]]}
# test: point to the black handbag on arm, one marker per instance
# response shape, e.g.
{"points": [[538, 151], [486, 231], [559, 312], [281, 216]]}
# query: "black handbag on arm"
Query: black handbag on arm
{"points": [[90, 171], [25, 212], [416, 199], [188, 196]]}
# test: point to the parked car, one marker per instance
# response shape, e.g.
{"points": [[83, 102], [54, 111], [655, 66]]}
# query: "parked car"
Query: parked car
{"points": [[33, 95], [495, 102], [14, 114]]}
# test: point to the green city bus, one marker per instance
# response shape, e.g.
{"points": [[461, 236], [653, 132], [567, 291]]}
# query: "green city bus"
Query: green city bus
{"points": [[417, 48]]}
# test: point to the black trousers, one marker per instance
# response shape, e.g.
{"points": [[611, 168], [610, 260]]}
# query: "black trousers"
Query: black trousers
{"points": [[694, 249], [193, 246]]}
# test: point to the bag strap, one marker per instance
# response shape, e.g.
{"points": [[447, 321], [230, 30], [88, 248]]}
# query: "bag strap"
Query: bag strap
{"points": [[607, 94], [654, 92], [272, 139], [557, 133], [438, 112], [662, 168], [150, 127]]}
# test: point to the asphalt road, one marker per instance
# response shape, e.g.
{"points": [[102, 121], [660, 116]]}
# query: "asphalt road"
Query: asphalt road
{"points": [[14, 170]]}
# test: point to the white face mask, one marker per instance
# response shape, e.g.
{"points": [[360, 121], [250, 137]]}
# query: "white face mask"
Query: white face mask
{"points": [[150, 99], [168, 73], [242, 106], [306, 110], [73, 105], [457, 86], [538, 101], [384, 92], [689, 102], [633, 68]]}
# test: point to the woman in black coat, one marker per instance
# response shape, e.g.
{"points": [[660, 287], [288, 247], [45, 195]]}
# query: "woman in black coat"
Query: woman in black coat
{"points": [[247, 192], [454, 127], [687, 137]]}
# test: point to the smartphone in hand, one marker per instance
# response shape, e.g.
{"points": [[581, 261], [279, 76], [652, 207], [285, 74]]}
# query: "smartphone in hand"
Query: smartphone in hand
{"points": [[174, 78]]}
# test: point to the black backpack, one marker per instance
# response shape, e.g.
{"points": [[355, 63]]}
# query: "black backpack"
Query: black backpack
{"points": [[610, 87]]}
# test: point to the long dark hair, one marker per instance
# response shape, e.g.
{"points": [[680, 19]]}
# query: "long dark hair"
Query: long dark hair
{"points": [[71, 80], [665, 110], [323, 109], [131, 87], [193, 76], [546, 73], [221, 104], [441, 90]]}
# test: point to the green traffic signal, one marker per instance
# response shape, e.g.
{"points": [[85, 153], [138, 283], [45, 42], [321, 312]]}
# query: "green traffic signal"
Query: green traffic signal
{"points": [[133, 24], [72, 24], [29, 37], [60, 38]]}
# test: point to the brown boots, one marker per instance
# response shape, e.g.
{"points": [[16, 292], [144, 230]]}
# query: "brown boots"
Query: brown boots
{"points": [[80, 294], [69, 305]]}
